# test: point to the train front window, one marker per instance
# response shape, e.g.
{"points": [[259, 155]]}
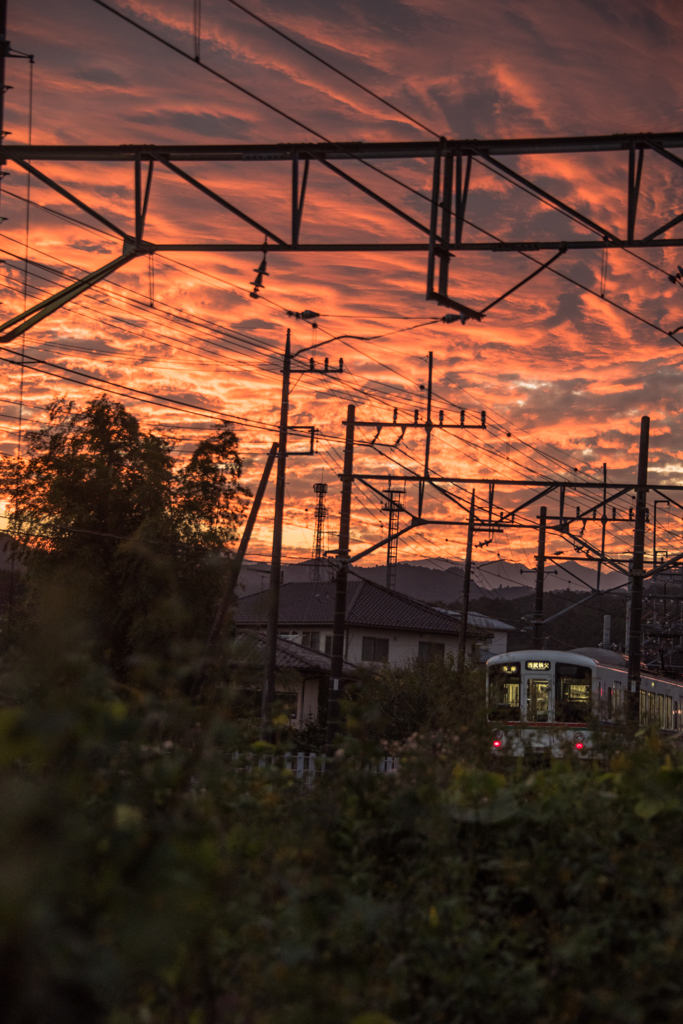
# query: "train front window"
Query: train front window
{"points": [[537, 697], [504, 686], [573, 684]]}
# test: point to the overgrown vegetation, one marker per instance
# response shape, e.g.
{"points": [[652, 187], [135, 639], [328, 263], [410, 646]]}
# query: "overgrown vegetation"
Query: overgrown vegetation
{"points": [[143, 877], [147, 878], [104, 510]]}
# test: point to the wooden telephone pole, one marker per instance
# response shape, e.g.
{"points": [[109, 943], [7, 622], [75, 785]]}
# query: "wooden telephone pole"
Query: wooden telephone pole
{"points": [[635, 636], [341, 583], [465, 603], [537, 641]]}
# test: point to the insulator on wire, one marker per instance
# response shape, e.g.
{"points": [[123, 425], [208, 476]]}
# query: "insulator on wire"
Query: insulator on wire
{"points": [[395, 415], [441, 418], [261, 272]]}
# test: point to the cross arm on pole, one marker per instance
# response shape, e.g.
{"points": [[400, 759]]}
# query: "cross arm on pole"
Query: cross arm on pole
{"points": [[594, 508]]}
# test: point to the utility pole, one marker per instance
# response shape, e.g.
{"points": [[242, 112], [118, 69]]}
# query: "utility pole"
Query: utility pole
{"points": [[341, 583], [276, 557], [629, 591], [4, 49], [5, 52], [540, 577], [635, 637], [429, 426], [465, 603]]}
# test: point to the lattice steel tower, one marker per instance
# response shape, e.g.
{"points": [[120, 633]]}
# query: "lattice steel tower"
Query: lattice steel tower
{"points": [[394, 508], [320, 516]]}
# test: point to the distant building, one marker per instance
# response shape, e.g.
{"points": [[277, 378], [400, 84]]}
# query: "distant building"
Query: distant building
{"points": [[382, 626], [499, 632]]}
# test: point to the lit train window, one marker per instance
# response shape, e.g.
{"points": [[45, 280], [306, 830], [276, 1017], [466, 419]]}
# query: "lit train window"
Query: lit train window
{"points": [[537, 700], [572, 693], [504, 692]]}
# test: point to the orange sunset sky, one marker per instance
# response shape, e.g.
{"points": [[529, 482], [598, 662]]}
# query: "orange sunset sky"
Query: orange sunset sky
{"points": [[563, 376]]}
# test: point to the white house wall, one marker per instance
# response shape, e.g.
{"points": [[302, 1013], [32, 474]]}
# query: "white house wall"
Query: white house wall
{"points": [[403, 647]]}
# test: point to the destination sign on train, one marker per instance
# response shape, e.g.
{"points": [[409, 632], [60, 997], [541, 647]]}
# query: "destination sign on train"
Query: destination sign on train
{"points": [[511, 670], [538, 666]]}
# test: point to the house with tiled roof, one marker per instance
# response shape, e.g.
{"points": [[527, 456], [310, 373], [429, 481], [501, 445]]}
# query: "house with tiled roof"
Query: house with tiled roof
{"points": [[382, 626]]}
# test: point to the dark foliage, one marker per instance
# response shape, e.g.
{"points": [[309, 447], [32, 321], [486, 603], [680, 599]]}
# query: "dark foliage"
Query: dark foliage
{"points": [[144, 876], [105, 513]]}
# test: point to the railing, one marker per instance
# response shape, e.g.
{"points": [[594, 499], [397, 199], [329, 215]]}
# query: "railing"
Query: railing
{"points": [[303, 766]]}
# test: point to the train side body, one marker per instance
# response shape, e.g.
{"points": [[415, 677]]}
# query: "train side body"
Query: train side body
{"points": [[550, 701]]}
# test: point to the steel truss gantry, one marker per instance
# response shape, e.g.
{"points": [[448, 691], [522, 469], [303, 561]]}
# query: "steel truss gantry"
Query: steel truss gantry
{"points": [[454, 167]]}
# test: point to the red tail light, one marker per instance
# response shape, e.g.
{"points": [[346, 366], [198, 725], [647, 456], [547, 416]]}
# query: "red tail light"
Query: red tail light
{"points": [[497, 743], [579, 746]]}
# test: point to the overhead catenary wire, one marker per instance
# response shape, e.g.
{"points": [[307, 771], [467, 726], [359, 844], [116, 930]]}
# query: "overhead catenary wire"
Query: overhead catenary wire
{"points": [[337, 70]]}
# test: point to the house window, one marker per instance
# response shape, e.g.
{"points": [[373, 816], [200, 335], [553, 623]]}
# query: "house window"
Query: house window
{"points": [[311, 640], [428, 651], [328, 644], [375, 648]]}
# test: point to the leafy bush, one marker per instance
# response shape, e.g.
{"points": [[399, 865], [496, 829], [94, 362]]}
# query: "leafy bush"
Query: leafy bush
{"points": [[143, 877]]}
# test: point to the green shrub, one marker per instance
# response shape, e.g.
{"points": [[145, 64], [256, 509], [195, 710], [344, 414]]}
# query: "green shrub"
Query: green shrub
{"points": [[144, 878]]}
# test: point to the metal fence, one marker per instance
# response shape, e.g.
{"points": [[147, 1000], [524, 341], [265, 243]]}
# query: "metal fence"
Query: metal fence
{"points": [[303, 766]]}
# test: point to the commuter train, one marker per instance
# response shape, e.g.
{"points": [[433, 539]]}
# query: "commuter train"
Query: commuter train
{"points": [[551, 701]]}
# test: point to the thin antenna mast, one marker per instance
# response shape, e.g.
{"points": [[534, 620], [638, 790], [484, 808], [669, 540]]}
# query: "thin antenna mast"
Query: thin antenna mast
{"points": [[394, 508], [320, 514]]}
